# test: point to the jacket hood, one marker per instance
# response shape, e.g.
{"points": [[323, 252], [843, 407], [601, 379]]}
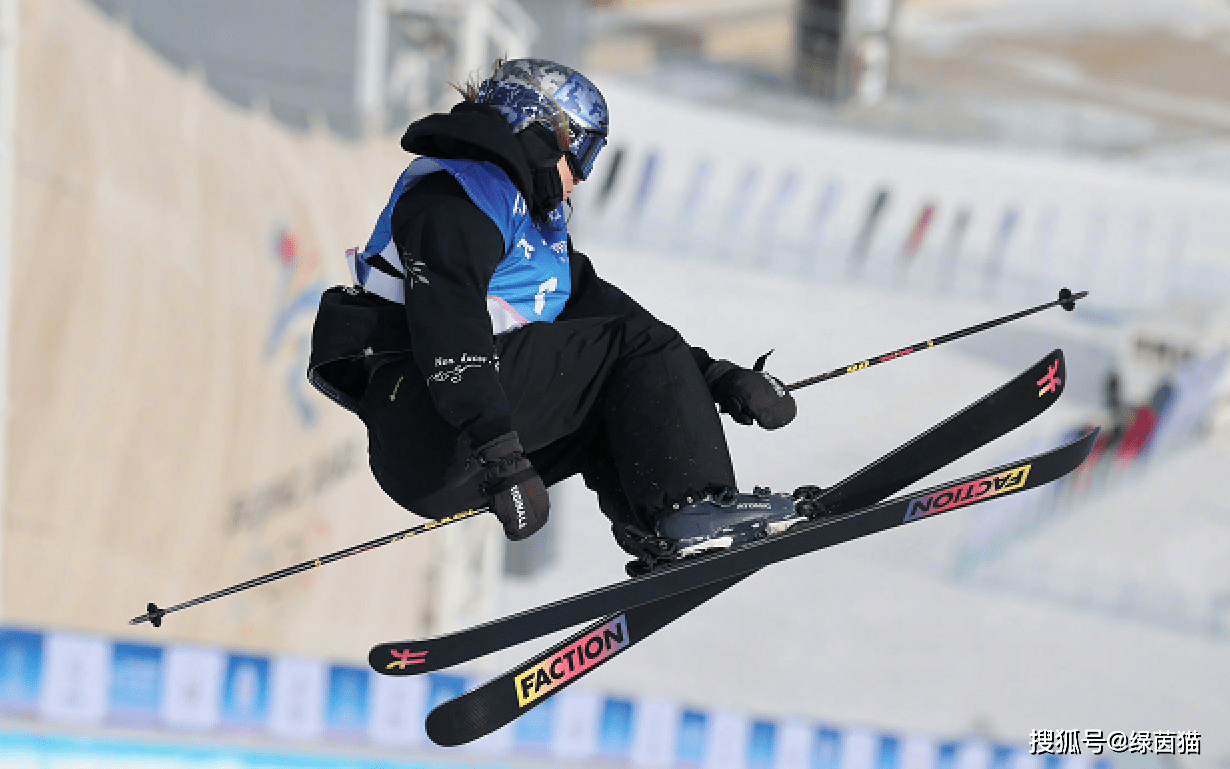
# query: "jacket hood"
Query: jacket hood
{"points": [[472, 132]]}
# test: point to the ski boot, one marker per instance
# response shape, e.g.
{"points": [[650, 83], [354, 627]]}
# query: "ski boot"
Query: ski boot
{"points": [[718, 521], [728, 519]]}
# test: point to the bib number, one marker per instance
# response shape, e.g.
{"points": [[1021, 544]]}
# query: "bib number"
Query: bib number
{"points": [[540, 299]]}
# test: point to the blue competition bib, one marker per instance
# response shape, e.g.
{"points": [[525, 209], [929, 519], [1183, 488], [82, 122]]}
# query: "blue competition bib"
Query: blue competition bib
{"points": [[531, 282]]}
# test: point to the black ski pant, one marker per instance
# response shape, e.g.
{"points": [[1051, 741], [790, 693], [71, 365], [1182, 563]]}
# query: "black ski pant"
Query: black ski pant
{"points": [[626, 407]]}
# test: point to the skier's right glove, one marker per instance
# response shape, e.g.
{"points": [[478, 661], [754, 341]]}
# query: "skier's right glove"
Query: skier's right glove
{"points": [[516, 494]]}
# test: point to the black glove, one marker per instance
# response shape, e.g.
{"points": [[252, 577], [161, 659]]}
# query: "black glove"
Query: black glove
{"points": [[749, 396], [517, 495]]}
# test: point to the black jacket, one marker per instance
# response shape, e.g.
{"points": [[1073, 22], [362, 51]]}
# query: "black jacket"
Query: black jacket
{"points": [[456, 247]]}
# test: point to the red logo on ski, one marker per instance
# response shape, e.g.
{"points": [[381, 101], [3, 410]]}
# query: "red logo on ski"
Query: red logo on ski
{"points": [[405, 658], [1050, 382]]}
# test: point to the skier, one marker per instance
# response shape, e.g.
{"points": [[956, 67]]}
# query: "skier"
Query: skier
{"points": [[489, 361]]}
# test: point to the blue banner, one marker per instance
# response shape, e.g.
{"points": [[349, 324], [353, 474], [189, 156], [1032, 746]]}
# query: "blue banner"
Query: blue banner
{"points": [[535, 729], [762, 745], [615, 728], [826, 749], [346, 711], [136, 684], [21, 668], [693, 734], [245, 692], [202, 689]]}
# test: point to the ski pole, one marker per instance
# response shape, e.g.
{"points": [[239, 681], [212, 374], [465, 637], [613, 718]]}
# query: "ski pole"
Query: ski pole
{"points": [[154, 615], [1066, 300]]}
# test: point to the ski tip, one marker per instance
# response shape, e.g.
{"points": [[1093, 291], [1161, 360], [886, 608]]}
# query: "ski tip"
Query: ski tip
{"points": [[1089, 438], [394, 659], [1053, 371]]}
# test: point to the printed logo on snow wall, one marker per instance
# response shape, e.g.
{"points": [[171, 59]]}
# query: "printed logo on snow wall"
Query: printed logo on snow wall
{"points": [[967, 493], [289, 336], [588, 651], [252, 509]]}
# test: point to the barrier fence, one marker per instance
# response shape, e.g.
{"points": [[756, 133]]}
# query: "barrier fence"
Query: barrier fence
{"points": [[77, 680]]}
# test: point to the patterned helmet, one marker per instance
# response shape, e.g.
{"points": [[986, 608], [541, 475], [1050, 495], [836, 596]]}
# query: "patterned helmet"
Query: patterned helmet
{"points": [[529, 91]]}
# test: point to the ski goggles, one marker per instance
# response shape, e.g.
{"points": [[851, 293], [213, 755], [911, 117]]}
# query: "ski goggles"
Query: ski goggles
{"points": [[583, 149]]}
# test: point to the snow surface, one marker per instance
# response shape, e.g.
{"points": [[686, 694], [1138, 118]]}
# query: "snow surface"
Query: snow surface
{"points": [[877, 631]]}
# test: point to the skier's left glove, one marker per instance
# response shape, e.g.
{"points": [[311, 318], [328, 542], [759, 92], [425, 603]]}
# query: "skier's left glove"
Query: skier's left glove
{"points": [[516, 493], [749, 396]]}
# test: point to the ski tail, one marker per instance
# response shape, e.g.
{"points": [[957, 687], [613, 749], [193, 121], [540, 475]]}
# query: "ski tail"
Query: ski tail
{"points": [[507, 697]]}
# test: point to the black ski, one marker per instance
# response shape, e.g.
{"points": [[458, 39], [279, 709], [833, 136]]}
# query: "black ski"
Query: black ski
{"points": [[483, 710], [1012, 405], [505, 698]]}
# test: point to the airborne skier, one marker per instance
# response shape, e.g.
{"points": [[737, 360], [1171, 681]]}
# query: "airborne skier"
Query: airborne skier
{"points": [[489, 361]]}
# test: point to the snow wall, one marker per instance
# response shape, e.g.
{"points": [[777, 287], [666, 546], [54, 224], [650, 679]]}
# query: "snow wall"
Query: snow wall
{"points": [[169, 252]]}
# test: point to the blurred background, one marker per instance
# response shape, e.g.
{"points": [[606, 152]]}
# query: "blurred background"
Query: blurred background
{"points": [[831, 179]]}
